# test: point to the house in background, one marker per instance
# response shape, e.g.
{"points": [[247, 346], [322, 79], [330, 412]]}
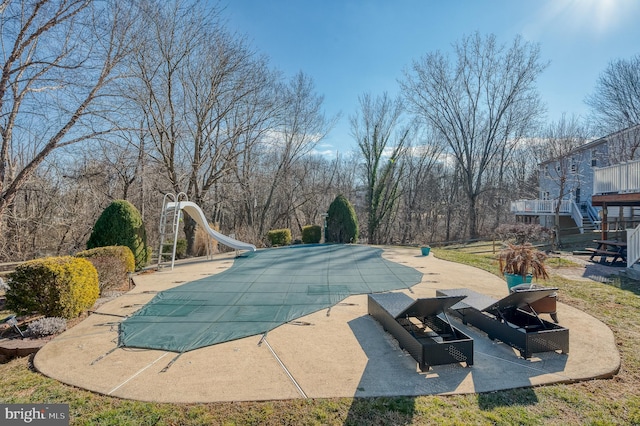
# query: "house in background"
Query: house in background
{"points": [[617, 192], [568, 185]]}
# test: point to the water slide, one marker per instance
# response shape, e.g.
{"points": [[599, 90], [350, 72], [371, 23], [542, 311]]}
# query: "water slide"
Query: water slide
{"points": [[196, 213]]}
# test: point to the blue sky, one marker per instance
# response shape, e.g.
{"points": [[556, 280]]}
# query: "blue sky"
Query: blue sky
{"points": [[351, 47]]}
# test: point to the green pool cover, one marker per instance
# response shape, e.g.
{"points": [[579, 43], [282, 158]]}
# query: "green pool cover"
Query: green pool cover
{"points": [[260, 292]]}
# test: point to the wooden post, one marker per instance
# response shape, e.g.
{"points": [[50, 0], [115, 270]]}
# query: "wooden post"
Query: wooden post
{"points": [[604, 221]]}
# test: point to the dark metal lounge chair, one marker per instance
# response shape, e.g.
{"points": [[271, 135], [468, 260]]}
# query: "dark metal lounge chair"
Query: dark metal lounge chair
{"points": [[506, 321], [422, 328]]}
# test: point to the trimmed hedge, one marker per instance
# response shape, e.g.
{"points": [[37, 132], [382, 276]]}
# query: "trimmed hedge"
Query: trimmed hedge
{"points": [[113, 264], [53, 286], [311, 234], [120, 224], [279, 237], [124, 254]]}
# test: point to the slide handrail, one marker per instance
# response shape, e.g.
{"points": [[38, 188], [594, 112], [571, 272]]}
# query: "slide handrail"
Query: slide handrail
{"points": [[170, 198]]}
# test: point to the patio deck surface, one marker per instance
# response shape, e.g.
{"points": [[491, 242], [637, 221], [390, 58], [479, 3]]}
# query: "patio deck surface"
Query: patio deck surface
{"points": [[336, 352]]}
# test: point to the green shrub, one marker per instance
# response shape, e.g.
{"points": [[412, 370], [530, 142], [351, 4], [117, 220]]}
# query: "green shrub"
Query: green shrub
{"points": [[181, 248], [113, 264], [279, 237], [120, 224], [311, 234], [53, 286], [342, 222]]}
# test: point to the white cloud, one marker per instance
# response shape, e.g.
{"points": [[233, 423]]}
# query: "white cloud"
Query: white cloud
{"points": [[324, 152]]}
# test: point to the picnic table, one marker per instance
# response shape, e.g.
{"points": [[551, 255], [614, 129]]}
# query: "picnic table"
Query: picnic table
{"points": [[609, 248]]}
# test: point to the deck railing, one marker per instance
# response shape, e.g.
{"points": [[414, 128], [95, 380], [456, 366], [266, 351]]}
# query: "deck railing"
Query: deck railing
{"points": [[576, 215], [633, 246], [548, 207], [619, 178], [541, 206]]}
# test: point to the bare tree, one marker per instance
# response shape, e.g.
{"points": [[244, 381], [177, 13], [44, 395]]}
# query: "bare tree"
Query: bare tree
{"points": [[60, 58], [421, 191], [381, 140], [558, 166], [615, 102], [300, 126], [319, 182], [479, 103], [53, 213], [199, 89]]}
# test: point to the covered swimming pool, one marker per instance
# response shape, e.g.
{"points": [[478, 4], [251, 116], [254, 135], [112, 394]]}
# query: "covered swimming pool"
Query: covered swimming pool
{"points": [[261, 291]]}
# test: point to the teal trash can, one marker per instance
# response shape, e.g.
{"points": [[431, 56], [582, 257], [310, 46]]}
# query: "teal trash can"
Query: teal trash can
{"points": [[425, 251]]}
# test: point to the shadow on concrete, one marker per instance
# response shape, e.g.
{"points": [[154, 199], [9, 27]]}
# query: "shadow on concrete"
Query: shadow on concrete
{"points": [[496, 367], [600, 272], [389, 368]]}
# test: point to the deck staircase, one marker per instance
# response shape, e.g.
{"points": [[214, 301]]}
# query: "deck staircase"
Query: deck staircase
{"points": [[585, 216], [592, 216]]}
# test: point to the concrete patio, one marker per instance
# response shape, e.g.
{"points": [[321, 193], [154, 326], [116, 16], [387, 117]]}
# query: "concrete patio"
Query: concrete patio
{"points": [[336, 352]]}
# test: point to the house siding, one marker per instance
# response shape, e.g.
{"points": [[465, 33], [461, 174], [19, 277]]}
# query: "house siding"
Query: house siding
{"points": [[578, 167], [578, 178]]}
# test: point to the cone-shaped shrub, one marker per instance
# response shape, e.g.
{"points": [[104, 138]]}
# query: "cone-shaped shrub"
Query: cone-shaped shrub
{"points": [[342, 223], [120, 224], [53, 286]]}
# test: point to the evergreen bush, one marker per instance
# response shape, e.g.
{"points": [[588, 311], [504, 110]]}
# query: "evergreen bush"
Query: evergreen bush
{"points": [[342, 222], [279, 237], [112, 275], [53, 286], [311, 234], [120, 224]]}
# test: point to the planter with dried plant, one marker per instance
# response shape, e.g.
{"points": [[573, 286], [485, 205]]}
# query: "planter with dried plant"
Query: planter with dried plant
{"points": [[522, 262]]}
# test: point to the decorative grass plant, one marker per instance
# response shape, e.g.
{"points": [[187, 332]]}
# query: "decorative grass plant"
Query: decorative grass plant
{"points": [[523, 260]]}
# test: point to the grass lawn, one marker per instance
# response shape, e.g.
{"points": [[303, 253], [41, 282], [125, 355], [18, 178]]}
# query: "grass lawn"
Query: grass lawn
{"points": [[597, 402]]}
